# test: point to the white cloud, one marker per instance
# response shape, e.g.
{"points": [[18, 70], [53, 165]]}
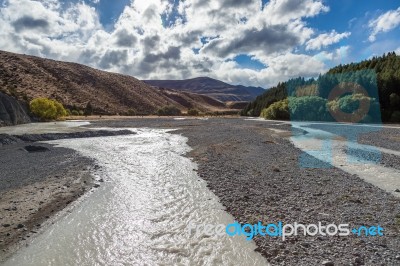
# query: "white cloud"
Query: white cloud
{"points": [[326, 39], [384, 23], [141, 45], [335, 57]]}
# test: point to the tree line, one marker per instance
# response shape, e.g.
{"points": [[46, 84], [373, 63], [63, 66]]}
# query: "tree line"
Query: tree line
{"points": [[373, 84]]}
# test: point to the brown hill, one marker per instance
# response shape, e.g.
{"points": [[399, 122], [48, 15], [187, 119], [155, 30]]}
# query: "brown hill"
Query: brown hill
{"points": [[74, 85], [211, 87]]}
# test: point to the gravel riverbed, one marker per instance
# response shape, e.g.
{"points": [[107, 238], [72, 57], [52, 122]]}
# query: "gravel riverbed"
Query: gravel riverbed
{"points": [[255, 172]]}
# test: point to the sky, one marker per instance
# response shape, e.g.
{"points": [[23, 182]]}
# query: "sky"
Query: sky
{"points": [[248, 42]]}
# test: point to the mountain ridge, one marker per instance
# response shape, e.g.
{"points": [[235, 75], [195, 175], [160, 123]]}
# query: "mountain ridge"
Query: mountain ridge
{"points": [[26, 77], [214, 88]]}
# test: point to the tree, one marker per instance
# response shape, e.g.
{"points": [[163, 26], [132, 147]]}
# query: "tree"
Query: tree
{"points": [[278, 110], [47, 109], [169, 111], [193, 112], [89, 109]]}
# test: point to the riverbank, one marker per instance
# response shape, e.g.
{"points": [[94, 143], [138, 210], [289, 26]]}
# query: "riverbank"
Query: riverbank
{"points": [[253, 169], [37, 181], [255, 173]]}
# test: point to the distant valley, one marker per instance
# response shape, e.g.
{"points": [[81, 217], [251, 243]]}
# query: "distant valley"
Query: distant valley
{"points": [[76, 86], [211, 87]]}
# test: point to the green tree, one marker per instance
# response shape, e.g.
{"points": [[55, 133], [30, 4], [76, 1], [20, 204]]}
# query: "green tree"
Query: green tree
{"points": [[169, 111], [47, 109], [193, 112], [277, 110]]}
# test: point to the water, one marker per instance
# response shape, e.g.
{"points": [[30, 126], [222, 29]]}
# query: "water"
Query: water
{"points": [[338, 151], [49, 127], [141, 214], [350, 156]]}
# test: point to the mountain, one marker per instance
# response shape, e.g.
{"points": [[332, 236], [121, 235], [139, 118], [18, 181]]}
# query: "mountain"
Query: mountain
{"points": [[211, 87], [75, 86], [379, 75]]}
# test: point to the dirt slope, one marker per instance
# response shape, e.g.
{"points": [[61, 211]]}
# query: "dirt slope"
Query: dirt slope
{"points": [[74, 85]]}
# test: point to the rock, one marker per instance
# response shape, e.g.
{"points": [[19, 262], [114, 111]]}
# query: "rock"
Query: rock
{"points": [[12, 112], [328, 263], [96, 186], [101, 180], [398, 257], [6, 225], [19, 226], [31, 148], [397, 190], [358, 261]]}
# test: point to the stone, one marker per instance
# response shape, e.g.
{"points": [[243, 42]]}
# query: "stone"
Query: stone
{"points": [[32, 148]]}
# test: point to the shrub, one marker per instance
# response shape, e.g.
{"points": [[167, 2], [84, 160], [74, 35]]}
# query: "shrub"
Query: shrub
{"points": [[47, 109], [193, 112], [395, 117], [169, 111], [308, 108], [131, 112], [351, 104], [277, 110], [75, 112], [394, 101], [88, 109]]}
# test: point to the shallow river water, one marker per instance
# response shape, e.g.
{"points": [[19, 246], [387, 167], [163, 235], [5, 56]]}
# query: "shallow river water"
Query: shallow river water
{"points": [[140, 215]]}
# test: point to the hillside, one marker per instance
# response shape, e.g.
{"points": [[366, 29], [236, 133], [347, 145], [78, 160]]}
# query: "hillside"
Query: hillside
{"points": [[75, 86], [211, 87], [380, 76]]}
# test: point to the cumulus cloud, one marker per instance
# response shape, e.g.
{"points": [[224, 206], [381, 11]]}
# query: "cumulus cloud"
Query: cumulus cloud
{"points": [[160, 39], [28, 22], [326, 39], [272, 39], [384, 23]]}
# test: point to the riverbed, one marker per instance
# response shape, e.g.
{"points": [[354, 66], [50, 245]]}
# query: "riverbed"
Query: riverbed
{"points": [[142, 211]]}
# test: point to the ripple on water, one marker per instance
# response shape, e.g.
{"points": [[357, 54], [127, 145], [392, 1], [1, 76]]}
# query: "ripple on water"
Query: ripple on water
{"points": [[140, 215]]}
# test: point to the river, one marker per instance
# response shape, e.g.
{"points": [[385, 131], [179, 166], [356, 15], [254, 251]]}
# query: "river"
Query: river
{"points": [[141, 213]]}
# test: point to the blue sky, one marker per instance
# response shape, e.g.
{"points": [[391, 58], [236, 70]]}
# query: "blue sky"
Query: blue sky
{"points": [[344, 15], [254, 42]]}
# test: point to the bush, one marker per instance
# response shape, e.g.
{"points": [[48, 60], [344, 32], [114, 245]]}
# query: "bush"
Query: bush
{"points": [[277, 110], [395, 117], [75, 113], [47, 109], [193, 112], [131, 112], [169, 111], [351, 104], [88, 109], [395, 101], [308, 108]]}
